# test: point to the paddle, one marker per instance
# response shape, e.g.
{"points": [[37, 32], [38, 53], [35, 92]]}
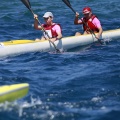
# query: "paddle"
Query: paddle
{"points": [[67, 2], [27, 4]]}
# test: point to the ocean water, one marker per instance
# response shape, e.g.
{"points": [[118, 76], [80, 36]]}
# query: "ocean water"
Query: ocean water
{"points": [[75, 85]]}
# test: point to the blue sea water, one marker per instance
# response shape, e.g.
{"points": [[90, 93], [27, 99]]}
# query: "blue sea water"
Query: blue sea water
{"points": [[75, 85]]}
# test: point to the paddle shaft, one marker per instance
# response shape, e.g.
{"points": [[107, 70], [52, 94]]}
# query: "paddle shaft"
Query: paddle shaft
{"points": [[27, 4], [67, 2]]}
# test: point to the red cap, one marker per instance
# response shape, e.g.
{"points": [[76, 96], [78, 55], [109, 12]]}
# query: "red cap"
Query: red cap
{"points": [[86, 10]]}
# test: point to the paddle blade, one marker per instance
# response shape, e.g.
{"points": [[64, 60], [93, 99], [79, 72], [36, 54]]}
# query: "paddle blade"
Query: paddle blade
{"points": [[26, 3], [67, 2]]}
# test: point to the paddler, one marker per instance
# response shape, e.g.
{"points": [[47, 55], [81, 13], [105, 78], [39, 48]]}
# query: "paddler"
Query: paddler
{"points": [[91, 24], [53, 30]]}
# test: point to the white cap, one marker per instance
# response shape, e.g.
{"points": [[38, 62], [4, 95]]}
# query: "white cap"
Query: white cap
{"points": [[47, 14]]}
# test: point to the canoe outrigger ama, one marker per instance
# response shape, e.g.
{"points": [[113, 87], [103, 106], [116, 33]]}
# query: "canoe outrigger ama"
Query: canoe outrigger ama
{"points": [[23, 46], [13, 92]]}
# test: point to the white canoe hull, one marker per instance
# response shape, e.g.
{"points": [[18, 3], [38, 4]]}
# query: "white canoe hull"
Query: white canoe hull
{"points": [[66, 43]]}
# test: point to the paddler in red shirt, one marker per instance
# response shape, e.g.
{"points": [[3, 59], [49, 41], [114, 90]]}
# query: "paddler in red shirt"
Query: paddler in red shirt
{"points": [[53, 30], [91, 23]]}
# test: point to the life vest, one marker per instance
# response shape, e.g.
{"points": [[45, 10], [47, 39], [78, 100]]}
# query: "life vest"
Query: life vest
{"points": [[87, 24], [49, 28]]}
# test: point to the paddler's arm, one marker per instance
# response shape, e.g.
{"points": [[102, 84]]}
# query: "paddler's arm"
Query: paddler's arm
{"points": [[99, 33], [76, 20], [56, 38], [98, 24], [59, 36], [36, 26]]}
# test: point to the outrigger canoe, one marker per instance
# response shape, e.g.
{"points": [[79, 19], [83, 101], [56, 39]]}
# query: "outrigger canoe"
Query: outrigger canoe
{"points": [[13, 92], [13, 47]]}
